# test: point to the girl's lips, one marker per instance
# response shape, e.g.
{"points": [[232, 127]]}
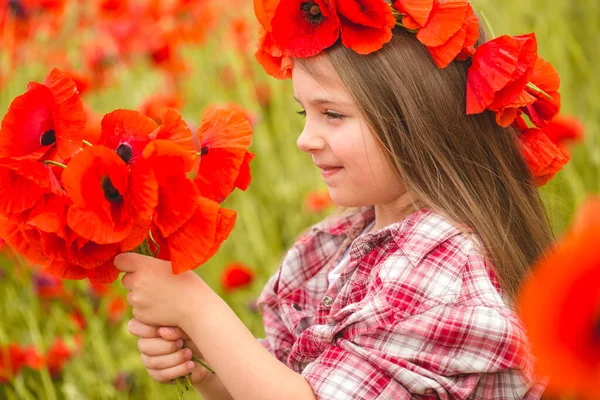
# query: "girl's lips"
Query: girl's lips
{"points": [[330, 171]]}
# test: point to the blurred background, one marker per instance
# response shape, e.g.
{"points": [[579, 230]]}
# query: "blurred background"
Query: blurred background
{"points": [[151, 54]]}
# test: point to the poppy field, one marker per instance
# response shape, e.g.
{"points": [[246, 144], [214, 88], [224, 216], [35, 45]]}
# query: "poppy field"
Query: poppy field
{"points": [[128, 62]]}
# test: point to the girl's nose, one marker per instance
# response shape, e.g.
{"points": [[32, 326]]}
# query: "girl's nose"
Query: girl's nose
{"points": [[310, 142]]}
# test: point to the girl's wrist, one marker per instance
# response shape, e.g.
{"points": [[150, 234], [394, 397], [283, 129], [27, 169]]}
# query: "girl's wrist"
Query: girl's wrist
{"points": [[199, 298]]}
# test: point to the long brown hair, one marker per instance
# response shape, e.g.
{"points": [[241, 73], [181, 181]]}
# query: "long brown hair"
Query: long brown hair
{"points": [[467, 168]]}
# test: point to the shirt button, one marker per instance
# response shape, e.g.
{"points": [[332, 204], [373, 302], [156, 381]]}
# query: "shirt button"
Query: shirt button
{"points": [[327, 301], [296, 307], [367, 247]]}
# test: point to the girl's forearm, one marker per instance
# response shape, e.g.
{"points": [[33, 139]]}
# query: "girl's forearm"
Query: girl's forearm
{"points": [[244, 366], [213, 389]]}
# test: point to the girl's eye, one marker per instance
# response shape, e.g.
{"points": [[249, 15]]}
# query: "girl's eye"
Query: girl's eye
{"points": [[302, 113], [332, 115]]}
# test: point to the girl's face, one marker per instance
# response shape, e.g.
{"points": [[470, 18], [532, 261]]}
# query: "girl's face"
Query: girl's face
{"points": [[340, 142]]}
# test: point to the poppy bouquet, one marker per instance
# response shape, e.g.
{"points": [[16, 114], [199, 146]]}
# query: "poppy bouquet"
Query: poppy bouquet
{"points": [[506, 76], [71, 205]]}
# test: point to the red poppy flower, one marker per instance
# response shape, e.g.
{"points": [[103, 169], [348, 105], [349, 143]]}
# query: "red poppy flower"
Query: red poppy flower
{"points": [[500, 70], [366, 25], [224, 136], [271, 58], [417, 10], [199, 238], [57, 356], [543, 109], [559, 304], [451, 30], [318, 201], [564, 128], [236, 276], [105, 200], [127, 133], [543, 158], [46, 116], [303, 28]]}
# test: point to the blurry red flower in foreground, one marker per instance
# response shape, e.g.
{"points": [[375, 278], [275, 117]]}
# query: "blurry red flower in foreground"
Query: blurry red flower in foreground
{"points": [[318, 201], [560, 306], [13, 358], [48, 287], [155, 106], [236, 276]]}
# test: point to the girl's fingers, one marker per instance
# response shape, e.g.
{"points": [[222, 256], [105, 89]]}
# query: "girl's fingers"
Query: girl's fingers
{"points": [[138, 328], [166, 375], [158, 346], [167, 360], [172, 333]]}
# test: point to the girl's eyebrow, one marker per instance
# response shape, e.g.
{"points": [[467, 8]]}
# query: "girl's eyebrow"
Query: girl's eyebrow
{"points": [[320, 101]]}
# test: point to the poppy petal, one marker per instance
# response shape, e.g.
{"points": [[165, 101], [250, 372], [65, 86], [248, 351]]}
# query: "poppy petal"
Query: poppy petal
{"points": [[264, 11], [191, 244], [446, 19], [418, 10], [225, 223], [244, 178], [64, 270], [272, 58], [177, 194], [175, 129], [69, 115], [106, 273]]}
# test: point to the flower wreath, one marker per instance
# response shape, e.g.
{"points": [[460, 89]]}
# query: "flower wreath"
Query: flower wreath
{"points": [[506, 74]]}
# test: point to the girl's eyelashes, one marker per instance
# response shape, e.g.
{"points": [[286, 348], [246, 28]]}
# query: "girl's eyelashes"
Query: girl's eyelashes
{"points": [[333, 115], [328, 114]]}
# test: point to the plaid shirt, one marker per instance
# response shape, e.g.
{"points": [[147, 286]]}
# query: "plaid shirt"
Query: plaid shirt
{"points": [[416, 313]]}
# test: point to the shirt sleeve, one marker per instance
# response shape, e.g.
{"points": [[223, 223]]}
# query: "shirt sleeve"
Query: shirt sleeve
{"points": [[394, 347], [446, 352]]}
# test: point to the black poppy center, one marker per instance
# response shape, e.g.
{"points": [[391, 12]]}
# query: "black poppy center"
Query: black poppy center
{"points": [[204, 150], [125, 152], [312, 12], [110, 192], [48, 138], [17, 8]]}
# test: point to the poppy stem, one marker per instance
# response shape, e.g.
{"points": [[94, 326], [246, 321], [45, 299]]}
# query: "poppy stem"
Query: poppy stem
{"points": [[55, 163], [410, 30], [85, 142], [154, 243], [205, 365], [536, 89]]}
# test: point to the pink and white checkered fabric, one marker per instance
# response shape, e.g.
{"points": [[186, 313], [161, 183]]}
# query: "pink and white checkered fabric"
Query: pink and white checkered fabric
{"points": [[416, 313]]}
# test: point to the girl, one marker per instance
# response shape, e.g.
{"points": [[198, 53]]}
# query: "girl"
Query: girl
{"points": [[410, 295]]}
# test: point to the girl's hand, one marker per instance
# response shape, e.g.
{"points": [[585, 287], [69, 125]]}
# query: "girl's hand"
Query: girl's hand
{"points": [[163, 355], [158, 297]]}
